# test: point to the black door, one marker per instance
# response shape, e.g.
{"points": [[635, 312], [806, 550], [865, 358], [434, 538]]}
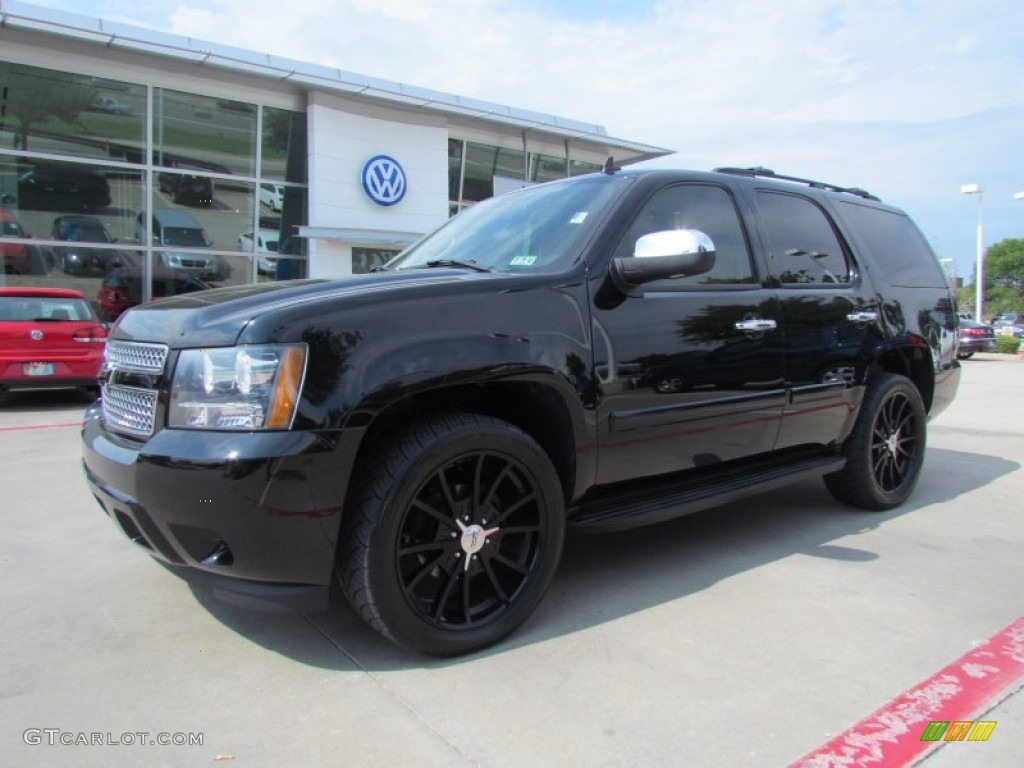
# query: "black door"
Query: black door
{"points": [[830, 317], [691, 373]]}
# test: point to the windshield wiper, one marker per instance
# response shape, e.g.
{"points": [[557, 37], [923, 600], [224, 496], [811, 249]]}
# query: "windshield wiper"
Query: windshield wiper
{"points": [[456, 263]]}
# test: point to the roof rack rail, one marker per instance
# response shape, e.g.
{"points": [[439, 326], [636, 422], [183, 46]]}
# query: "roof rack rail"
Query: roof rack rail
{"points": [[770, 174]]}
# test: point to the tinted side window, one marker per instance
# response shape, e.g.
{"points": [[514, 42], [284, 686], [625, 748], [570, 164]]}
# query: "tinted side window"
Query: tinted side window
{"points": [[805, 250], [708, 209], [897, 246]]}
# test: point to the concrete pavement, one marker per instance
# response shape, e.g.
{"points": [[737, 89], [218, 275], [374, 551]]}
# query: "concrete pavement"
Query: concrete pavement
{"points": [[743, 636]]}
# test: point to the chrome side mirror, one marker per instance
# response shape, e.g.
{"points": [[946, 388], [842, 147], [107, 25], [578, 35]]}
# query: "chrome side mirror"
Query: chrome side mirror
{"points": [[660, 255]]}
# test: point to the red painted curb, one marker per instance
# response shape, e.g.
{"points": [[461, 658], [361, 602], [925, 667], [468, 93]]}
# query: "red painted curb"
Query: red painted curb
{"points": [[892, 735], [40, 426]]}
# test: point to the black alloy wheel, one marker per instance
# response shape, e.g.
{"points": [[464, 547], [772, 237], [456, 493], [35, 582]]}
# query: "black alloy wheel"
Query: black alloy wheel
{"points": [[456, 536], [885, 452]]}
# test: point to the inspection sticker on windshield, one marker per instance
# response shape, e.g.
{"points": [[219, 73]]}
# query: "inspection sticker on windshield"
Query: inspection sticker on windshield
{"points": [[523, 261], [579, 218]]}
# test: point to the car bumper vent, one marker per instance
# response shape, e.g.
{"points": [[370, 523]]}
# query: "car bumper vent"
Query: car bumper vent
{"points": [[131, 530], [129, 410]]}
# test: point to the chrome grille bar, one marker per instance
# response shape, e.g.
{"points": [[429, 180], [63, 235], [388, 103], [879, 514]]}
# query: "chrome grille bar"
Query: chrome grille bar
{"points": [[135, 356]]}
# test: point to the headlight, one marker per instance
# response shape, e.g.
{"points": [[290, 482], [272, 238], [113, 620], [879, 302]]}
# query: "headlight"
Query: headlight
{"points": [[243, 388]]}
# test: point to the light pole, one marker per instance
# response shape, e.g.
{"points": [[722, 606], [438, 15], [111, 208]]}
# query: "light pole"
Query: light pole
{"points": [[979, 276]]}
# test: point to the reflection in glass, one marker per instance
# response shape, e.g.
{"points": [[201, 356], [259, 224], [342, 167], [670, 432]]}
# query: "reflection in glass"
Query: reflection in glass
{"points": [[203, 133], [367, 259], [292, 261], [580, 167], [483, 163], [454, 169], [43, 110], [284, 145], [122, 288], [547, 167]]}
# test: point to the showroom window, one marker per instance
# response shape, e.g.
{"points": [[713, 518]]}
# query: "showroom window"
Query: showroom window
{"points": [[473, 168], [213, 200], [368, 259]]}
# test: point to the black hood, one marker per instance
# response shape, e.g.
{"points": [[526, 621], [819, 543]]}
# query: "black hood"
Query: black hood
{"points": [[217, 317]]}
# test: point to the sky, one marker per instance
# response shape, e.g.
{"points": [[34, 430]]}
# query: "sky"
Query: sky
{"points": [[909, 99]]}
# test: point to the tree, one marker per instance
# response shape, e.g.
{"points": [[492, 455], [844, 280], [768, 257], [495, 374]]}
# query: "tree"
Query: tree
{"points": [[1004, 276], [32, 99]]}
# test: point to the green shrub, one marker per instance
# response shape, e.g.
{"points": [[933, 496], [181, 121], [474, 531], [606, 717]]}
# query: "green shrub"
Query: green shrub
{"points": [[1008, 345]]}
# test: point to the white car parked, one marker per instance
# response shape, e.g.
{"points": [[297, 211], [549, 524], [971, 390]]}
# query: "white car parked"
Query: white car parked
{"points": [[266, 244], [272, 196]]}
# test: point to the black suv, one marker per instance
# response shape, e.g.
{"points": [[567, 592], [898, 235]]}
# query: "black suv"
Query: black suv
{"points": [[602, 352]]}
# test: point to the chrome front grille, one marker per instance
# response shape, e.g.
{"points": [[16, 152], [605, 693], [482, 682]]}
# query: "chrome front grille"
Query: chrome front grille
{"points": [[127, 406], [133, 356], [129, 410]]}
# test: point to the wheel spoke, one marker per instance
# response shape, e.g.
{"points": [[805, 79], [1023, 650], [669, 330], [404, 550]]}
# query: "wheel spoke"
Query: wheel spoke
{"points": [[510, 564], [477, 483], [442, 600], [492, 577], [510, 529], [422, 506], [446, 489], [494, 488], [422, 572], [429, 546], [513, 508]]}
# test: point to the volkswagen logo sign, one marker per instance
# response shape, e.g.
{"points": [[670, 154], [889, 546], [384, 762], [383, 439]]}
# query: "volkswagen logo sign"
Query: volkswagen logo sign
{"points": [[36, 334], [384, 180]]}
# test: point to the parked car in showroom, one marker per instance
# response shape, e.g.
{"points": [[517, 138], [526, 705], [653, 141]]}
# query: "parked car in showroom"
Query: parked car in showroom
{"points": [[266, 249], [122, 288], [63, 187], [180, 229], [78, 260], [272, 196], [424, 435], [186, 188], [16, 256], [974, 337], [49, 338]]}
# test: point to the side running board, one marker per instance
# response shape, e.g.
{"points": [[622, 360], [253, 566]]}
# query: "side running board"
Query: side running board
{"points": [[634, 509]]}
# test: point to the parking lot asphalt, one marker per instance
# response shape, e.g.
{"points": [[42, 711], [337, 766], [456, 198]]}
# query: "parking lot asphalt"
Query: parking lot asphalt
{"points": [[748, 635]]}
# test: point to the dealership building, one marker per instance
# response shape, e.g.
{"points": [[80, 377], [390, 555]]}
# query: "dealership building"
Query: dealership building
{"points": [[252, 167]]}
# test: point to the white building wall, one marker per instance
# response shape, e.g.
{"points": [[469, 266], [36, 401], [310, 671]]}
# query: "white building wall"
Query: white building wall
{"points": [[343, 135]]}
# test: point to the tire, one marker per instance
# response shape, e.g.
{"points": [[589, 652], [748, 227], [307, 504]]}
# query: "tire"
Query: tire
{"points": [[885, 451], [453, 487]]}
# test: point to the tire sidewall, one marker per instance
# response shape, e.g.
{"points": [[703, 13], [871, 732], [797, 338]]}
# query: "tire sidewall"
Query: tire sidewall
{"points": [[892, 386], [402, 622]]}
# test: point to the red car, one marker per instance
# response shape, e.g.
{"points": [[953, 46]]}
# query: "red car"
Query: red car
{"points": [[49, 337], [15, 256]]}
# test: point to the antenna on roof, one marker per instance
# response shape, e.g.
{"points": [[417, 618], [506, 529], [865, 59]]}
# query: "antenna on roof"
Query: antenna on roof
{"points": [[610, 167]]}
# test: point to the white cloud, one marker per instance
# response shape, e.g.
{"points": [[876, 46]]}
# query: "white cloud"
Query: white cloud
{"points": [[877, 93]]}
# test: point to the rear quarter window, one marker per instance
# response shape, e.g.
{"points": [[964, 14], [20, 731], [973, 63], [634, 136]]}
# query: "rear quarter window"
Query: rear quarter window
{"points": [[896, 245]]}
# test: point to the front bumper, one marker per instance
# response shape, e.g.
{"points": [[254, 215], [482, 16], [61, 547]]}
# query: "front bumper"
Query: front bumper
{"points": [[252, 518]]}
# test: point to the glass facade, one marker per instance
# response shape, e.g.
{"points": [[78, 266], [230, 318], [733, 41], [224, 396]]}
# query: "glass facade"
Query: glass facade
{"points": [[473, 168], [93, 197]]}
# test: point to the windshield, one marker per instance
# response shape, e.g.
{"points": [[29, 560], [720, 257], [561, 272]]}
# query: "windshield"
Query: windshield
{"points": [[88, 233], [538, 229], [184, 236], [42, 308]]}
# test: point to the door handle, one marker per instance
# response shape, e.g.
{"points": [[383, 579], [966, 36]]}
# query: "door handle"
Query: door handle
{"points": [[756, 324], [862, 317]]}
